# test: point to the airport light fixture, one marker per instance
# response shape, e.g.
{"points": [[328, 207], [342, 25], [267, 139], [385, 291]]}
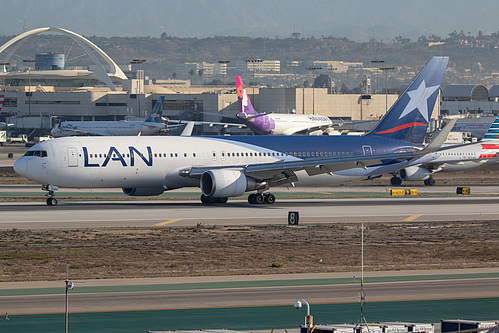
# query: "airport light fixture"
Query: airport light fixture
{"points": [[308, 318], [28, 61], [377, 62], [313, 69], [139, 61], [254, 62], [386, 69]]}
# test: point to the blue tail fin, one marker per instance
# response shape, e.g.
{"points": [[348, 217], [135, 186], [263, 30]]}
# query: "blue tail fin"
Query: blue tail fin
{"points": [[157, 111], [493, 131], [408, 118]]}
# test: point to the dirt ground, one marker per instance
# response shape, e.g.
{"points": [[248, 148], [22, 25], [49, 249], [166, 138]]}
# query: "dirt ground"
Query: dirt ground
{"points": [[208, 250]]}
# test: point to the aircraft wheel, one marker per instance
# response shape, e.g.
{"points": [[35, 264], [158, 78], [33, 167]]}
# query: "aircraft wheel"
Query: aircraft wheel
{"points": [[205, 199], [51, 202], [431, 182], [221, 200], [252, 198], [395, 181], [259, 199], [269, 199]]}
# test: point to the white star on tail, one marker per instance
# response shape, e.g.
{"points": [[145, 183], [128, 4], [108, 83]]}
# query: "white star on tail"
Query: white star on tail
{"points": [[419, 98]]}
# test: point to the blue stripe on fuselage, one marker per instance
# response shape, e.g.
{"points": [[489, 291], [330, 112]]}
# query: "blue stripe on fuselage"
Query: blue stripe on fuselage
{"points": [[352, 145]]}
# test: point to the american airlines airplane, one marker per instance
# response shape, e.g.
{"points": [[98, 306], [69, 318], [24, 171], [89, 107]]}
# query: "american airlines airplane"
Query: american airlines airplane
{"points": [[277, 123], [229, 166], [150, 126], [464, 157]]}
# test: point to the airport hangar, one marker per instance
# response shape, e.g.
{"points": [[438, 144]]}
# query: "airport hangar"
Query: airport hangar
{"points": [[37, 97]]}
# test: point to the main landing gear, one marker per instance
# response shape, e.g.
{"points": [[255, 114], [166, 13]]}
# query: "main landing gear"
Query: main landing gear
{"points": [[51, 189], [212, 200], [254, 199], [261, 198], [395, 181], [429, 182]]}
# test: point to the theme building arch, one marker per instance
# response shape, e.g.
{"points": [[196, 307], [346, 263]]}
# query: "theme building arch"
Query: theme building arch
{"points": [[100, 73]]}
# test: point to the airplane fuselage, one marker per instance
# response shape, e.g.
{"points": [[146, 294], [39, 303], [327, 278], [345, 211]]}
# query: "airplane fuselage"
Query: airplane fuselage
{"points": [[286, 124], [130, 162]]}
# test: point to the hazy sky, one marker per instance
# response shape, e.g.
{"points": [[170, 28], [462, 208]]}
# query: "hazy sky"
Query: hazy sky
{"points": [[354, 19]]}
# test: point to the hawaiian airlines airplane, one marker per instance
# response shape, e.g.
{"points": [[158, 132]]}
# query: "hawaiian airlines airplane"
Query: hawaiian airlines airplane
{"points": [[464, 157], [277, 123], [150, 126], [229, 166]]}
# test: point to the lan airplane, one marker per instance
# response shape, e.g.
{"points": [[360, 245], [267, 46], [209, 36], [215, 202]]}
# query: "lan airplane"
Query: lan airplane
{"points": [[150, 126], [229, 166], [461, 158]]}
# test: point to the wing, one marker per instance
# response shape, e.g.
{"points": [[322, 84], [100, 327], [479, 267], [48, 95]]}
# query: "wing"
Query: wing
{"points": [[305, 131], [281, 172], [211, 123]]}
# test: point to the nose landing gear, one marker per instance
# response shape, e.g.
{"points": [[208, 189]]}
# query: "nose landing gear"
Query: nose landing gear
{"points": [[51, 189]]}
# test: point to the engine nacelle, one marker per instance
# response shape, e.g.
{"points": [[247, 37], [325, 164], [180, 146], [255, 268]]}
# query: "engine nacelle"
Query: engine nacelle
{"points": [[226, 183], [415, 173], [143, 191]]}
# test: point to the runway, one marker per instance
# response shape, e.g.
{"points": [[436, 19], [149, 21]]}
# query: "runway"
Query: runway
{"points": [[83, 214], [251, 293]]}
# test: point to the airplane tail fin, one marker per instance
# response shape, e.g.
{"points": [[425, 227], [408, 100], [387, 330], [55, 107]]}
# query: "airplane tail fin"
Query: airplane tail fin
{"points": [[1, 101], [157, 111], [408, 118], [246, 110], [493, 131]]}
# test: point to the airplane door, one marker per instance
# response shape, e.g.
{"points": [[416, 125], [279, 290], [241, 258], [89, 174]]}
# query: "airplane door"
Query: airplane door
{"points": [[367, 150], [72, 157]]}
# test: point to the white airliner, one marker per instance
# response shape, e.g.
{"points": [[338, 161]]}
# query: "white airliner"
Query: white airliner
{"points": [[276, 123], [150, 126], [229, 166], [460, 158]]}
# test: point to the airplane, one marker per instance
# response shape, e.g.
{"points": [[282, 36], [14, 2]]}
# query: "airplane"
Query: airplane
{"points": [[461, 158], [229, 166], [277, 123], [274, 123], [150, 126]]}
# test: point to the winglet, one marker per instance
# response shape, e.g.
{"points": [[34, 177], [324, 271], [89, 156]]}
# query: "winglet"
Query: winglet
{"points": [[439, 140]]}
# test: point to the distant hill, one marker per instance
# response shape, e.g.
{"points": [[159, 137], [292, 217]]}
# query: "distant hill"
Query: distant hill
{"points": [[356, 20]]}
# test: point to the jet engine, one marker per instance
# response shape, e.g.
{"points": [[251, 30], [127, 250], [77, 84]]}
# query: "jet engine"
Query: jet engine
{"points": [[143, 191], [226, 183], [415, 173]]}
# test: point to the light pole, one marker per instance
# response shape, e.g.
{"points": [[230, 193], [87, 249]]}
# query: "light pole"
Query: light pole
{"points": [[138, 61], [69, 286], [333, 84], [29, 86], [378, 62], [4, 70], [313, 69], [308, 318], [223, 63], [253, 63], [386, 69]]}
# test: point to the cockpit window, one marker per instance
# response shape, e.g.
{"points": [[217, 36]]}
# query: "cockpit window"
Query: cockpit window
{"points": [[38, 153]]}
